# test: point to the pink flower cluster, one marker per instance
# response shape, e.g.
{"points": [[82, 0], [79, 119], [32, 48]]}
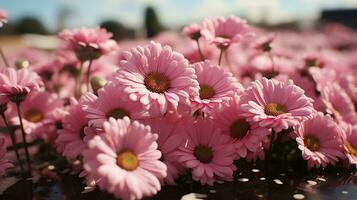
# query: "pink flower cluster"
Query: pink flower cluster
{"points": [[3, 17], [159, 111]]}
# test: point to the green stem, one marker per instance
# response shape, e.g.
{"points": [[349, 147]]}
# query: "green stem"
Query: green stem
{"points": [[199, 50], [4, 58], [13, 140], [79, 82], [270, 150], [30, 144], [272, 137], [23, 136], [220, 56], [88, 74], [228, 62], [272, 63]]}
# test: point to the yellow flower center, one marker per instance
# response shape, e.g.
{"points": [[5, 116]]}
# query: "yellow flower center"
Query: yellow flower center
{"points": [[239, 128], [312, 142], [34, 115], [157, 82], [351, 149], [117, 113], [274, 109], [206, 91], [127, 160], [22, 64], [203, 153], [310, 62]]}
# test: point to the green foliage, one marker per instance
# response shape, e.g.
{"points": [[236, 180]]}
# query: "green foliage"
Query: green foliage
{"points": [[152, 23], [118, 30], [30, 25]]}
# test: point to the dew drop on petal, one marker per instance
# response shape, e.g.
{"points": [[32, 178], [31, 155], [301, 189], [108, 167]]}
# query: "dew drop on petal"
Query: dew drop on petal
{"points": [[51, 167], [255, 170], [87, 189], [310, 182], [344, 192], [243, 179], [321, 179], [193, 196], [298, 196]]}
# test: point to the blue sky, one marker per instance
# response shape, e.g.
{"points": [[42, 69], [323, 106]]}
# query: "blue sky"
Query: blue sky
{"points": [[172, 12]]}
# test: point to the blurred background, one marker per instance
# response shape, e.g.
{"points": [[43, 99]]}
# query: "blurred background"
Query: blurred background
{"points": [[128, 19]]}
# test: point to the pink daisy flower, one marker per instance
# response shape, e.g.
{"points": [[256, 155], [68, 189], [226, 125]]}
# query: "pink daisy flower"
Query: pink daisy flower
{"points": [[88, 180], [90, 132], [305, 82], [3, 17], [70, 139], [217, 87], [66, 60], [261, 62], [28, 57], [208, 153], [4, 164], [275, 104], [37, 112], [263, 44], [338, 103], [157, 76], [226, 31], [169, 129], [125, 160], [349, 83], [192, 31], [16, 84], [322, 76], [314, 60], [247, 136], [88, 43], [253, 156], [58, 116], [318, 139], [349, 140], [111, 102], [191, 52]]}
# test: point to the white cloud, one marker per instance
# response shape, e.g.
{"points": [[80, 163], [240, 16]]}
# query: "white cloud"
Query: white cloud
{"points": [[130, 12], [271, 11], [210, 8], [255, 10]]}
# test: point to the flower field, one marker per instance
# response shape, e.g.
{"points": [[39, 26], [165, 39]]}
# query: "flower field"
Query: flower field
{"points": [[208, 110]]}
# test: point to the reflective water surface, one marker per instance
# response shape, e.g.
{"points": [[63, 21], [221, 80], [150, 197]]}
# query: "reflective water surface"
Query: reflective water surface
{"points": [[251, 182], [281, 176]]}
